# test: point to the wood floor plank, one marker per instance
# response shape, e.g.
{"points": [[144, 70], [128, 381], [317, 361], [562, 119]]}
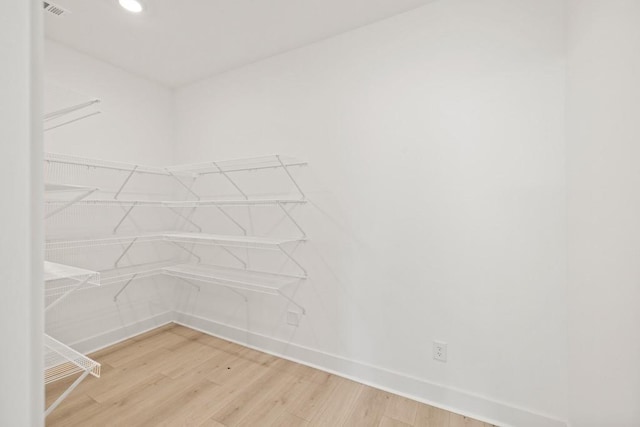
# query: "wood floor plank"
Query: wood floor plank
{"points": [[429, 416], [288, 420], [272, 403], [391, 422], [175, 376], [337, 408], [368, 408], [310, 402], [402, 409]]}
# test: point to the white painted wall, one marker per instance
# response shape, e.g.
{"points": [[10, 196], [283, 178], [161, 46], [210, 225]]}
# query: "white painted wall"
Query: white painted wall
{"points": [[21, 320], [603, 102], [436, 143], [135, 125]]}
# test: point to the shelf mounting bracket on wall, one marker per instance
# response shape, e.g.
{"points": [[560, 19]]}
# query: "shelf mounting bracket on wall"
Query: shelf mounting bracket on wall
{"points": [[230, 180], [135, 167], [288, 214], [115, 230], [115, 297], [115, 264], [286, 169]]}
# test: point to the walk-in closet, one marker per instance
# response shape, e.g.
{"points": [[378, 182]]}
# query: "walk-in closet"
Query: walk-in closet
{"points": [[336, 213]]}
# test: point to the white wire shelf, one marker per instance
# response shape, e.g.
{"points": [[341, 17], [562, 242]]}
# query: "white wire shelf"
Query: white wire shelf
{"points": [[127, 274], [103, 164], [55, 116], [58, 245], [213, 167], [64, 196], [248, 280], [231, 202], [54, 271], [231, 241], [182, 203], [53, 188], [60, 280], [61, 361], [238, 165], [172, 236], [236, 279]]}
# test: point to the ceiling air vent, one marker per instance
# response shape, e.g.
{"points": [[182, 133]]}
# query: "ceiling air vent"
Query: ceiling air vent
{"points": [[54, 9]]}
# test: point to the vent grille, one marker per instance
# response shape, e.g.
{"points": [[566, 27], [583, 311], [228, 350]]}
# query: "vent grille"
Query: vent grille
{"points": [[54, 9]]}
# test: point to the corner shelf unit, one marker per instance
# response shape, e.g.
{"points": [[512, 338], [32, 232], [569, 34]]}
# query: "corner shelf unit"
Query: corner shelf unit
{"points": [[61, 361], [115, 190]]}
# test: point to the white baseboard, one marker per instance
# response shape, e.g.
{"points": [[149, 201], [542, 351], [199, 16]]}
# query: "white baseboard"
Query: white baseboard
{"points": [[114, 336], [454, 400]]}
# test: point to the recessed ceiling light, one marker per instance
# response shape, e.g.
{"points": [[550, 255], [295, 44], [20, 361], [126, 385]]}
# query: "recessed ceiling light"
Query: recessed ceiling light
{"points": [[134, 6]]}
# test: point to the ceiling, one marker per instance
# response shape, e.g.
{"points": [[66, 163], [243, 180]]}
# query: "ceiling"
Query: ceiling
{"points": [[179, 42]]}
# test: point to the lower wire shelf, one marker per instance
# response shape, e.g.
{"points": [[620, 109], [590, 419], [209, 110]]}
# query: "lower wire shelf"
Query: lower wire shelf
{"points": [[237, 279], [61, 361]]}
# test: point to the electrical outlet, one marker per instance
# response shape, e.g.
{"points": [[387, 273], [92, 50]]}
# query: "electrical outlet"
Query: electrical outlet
{"points": [[293, 318], [440, 351]]}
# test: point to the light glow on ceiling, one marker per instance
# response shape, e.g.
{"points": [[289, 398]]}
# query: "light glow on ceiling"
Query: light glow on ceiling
{"points": [[133, 6]]}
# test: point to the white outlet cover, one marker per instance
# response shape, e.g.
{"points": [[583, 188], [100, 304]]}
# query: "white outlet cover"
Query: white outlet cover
{"points": [[293, 318], [440, 351]]}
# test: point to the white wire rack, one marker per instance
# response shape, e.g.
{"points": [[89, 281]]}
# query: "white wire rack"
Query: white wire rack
{"points": [[128, 274], [52, 119], [182, 203], [61, 280], [225, 242], [61, 361], [250, 242], [238, 165], [64, 196], [235, 279], [213, 167], [104, 164]]}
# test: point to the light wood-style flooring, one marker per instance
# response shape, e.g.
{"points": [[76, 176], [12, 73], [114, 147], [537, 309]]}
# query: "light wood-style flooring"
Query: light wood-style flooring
{"points": [[175, 376]]}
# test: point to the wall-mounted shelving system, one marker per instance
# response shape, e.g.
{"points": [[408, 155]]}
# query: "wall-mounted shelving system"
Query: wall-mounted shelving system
{"points": [[120, 190]]}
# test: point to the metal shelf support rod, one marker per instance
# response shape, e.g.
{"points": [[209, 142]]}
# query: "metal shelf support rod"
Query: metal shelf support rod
{"points": [[115, 297], [291, 300], [66, 393], [286, 169], [115, 230], [232, 219], [71, 202], [115, 264], [288, 214], [186, 219], [125, 182], [292, 259], [231, 181], [73, 289]]}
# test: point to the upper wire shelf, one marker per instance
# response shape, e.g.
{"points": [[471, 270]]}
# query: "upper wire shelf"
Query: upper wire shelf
{"points": [[238, 165], [257, 281], [52, 119], [103, 164], [223, 166], [182, 203], [229, 240]]}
